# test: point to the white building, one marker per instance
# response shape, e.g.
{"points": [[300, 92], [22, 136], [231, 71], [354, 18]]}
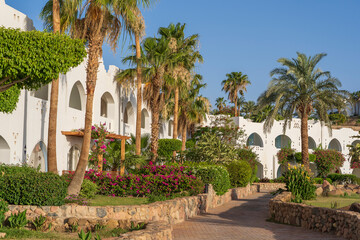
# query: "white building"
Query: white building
{"points": [[23, 133]]}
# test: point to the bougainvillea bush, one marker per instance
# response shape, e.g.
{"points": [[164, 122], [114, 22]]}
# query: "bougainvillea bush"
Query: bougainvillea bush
{"points": [[285, 155], [140, 185], [328, 160]]}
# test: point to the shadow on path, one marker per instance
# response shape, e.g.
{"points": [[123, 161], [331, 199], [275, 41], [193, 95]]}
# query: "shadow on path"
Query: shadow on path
{"points": [[243, 219]]}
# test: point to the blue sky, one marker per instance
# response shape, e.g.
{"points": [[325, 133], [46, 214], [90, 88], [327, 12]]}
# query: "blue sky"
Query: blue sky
{"points": [[249, 36]]}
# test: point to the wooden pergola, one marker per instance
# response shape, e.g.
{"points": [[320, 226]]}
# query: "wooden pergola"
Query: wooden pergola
{"points": [[100, 156]]}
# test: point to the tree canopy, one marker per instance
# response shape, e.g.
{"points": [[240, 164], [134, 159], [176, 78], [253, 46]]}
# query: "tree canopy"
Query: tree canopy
{"points": [[32, 59]]}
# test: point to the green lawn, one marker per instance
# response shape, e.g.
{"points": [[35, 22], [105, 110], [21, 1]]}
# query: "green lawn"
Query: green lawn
{"points": [[329, 201], [101, 200]]}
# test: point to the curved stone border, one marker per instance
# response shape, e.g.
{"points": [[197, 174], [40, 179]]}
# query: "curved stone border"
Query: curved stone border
{"points": [[342, 223], [153, 231]]}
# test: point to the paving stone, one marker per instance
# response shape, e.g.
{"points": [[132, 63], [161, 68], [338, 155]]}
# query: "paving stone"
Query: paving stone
{"points": [[243, 219]]}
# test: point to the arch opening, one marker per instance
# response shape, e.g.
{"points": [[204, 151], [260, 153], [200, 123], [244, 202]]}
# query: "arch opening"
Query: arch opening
{"points": [[4, 151], [144, 119], [312, 144], [129, 114], [335, 145], [282, 141], [170, 128], [260, 170], [254, 140], [107, 105], [77, 96], [73, 158], [38, 157]]}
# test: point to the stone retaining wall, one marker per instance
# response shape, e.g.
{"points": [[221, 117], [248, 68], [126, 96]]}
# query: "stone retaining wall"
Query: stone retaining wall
{"points": [[341, 223], [269, 187], [153, 231]]}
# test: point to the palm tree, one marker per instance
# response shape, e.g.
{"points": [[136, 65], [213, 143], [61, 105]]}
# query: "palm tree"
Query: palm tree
{"points": [[187, 57], [240, 103], [299, 86], [95, 22], [249, 108], [192, 107], [235, 83], [220, 103]]}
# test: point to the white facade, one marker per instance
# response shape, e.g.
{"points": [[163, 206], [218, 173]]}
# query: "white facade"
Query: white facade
{"points": [[23, 134]]}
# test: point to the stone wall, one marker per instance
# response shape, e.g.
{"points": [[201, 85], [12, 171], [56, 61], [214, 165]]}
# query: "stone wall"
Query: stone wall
{"points": [[269, 187], [342, 223]]}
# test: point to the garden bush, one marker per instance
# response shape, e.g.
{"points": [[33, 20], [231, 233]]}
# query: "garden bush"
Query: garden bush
{"points": [[299, 183], [33, 188], [167, 147], [298, 157], [285, 155], [240, 173], [251, 157], [321, 180], [343, 178], [328, 160], [146, 184], [88, 189], [13, 169], [4, 207], [337, 118]]}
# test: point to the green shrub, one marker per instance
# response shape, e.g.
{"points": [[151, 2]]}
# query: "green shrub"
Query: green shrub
{"points": [[298, 182], [337, 118], [13, 169], [190, 143], [215, 175], [251, 157], [33, 188], [240, 173], [211, 149], [18, 220], [285, 155], [319, 180], [279, 179], [4, 207], [328, 160], [167, 147], [298, 157], [88, 189], [343, 178]]}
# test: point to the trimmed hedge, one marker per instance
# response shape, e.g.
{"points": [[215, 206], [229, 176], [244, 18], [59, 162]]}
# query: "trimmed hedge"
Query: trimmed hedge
{"points": [[298, 157], [343, 178], [33, 188], [167, 147], [240, 173]]}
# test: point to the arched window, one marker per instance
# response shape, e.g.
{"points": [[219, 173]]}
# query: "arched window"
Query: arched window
{"points": [[38, 157], [129, 115], [355, 142], [77, 96], [335, 144], [73, 158], [260, 170], [144, 119], [254, 140], [312, 144], [107, 106], [4, 151], [282, 141], [42, 93], [170, 128]]}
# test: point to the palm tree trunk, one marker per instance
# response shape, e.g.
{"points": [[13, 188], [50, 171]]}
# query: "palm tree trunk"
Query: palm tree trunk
{"points": [[155, 114], [305, 140], [138, 97], [235, 107], [51, 157], [183, 138], [176, 117], [91, 76]]}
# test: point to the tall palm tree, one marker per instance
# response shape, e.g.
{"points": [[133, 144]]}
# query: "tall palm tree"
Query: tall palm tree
{"points": [[299, 86], [188, 56], [192, 107], [240, 103], [96, 22], [235, 83], [220, 103], [249, 108]]}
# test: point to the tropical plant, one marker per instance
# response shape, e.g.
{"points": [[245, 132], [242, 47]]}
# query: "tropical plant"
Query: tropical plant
{"points": [[220, 103], [17, 220], [285, 155], [240, 173], [299, 86], [328, 160], [4, 207], [96, 22], [235, 83], [39, 222], [299, 183], [249, 109]]}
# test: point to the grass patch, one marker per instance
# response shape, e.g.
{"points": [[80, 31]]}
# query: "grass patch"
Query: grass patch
{"points": [[12, 233], [101, 200], [327, 202]]}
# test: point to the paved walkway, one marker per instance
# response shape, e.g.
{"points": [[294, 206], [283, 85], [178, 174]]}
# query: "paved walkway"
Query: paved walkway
{"points": [[243, 219]]}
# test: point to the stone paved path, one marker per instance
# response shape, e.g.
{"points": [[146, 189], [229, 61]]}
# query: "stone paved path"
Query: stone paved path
{"points": [[242, 220]]}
